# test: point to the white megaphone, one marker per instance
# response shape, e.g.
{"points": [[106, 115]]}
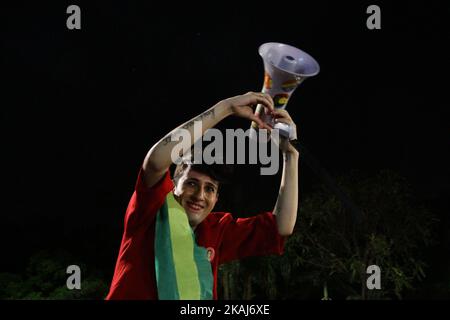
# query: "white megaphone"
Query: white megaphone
{"points": [[285, 67]]}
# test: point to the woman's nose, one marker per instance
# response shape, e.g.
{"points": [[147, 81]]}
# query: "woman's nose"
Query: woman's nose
{"points": [[199, 194]]}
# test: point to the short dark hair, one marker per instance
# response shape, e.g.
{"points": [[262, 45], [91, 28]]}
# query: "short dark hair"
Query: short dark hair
{"points": [[222, 173], [218, 172]]}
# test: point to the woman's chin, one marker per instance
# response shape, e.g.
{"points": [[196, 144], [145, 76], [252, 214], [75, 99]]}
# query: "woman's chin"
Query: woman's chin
{"points": [[194, 218]]}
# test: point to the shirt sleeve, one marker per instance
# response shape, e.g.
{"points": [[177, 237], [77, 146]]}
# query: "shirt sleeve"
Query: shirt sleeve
{"points": [[145, 202], [254, 236]]}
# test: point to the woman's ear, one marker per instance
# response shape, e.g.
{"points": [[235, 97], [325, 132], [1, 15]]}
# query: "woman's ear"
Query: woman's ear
{"points": [[217, 199]]}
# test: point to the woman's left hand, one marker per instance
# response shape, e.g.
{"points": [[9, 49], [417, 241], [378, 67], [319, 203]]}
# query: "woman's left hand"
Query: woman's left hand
{"points": [[282, 116]]}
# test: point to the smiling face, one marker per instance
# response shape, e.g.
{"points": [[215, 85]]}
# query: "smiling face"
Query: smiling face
{"points": [[197, 193]]}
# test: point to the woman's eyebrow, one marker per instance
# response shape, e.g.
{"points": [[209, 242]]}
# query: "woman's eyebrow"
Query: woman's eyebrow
{"points": [[207, 182], [212, 184]]}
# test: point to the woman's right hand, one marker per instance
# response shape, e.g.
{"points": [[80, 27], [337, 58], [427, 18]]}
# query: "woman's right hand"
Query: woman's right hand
{"points": [[243, 106]]}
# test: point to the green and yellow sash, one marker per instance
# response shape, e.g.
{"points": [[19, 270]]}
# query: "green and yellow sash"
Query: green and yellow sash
{"points": [[183, 271]]}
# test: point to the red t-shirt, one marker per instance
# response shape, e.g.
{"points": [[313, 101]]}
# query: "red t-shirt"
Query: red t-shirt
{"points": [[225, 238]]}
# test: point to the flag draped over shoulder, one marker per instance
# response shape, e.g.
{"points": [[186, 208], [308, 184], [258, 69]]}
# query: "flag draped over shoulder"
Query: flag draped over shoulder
{"points": [[183, 271]]}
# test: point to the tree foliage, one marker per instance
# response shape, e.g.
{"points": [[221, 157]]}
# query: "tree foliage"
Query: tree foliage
{"points": [[328, 254], [45, 278]]}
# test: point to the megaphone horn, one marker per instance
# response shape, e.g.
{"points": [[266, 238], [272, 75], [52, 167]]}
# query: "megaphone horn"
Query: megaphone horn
{"points": [[285, 67]]}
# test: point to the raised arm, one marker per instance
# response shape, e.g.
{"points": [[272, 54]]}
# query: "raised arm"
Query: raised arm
{"points": [[287, 201], [158, 159]]}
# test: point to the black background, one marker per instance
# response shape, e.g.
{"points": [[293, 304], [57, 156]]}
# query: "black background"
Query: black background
{"points": [[80, 108]]}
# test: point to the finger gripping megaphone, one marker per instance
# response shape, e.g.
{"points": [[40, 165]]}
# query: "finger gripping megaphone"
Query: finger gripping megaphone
{"points": [[285, 67]]}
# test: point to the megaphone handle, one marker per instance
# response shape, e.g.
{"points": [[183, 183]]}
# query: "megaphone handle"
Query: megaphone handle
{"points": [[260, 111]]}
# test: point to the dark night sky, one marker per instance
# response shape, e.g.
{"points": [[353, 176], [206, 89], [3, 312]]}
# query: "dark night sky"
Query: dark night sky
{"points": [[80, 109]]}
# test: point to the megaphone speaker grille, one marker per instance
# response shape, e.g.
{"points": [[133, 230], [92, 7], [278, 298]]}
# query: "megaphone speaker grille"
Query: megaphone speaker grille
{"points": [[289, 59]]}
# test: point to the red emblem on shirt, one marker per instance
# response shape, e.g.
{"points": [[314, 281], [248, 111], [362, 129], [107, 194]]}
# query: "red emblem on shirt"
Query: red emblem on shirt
{"points": [[210, 253]]}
